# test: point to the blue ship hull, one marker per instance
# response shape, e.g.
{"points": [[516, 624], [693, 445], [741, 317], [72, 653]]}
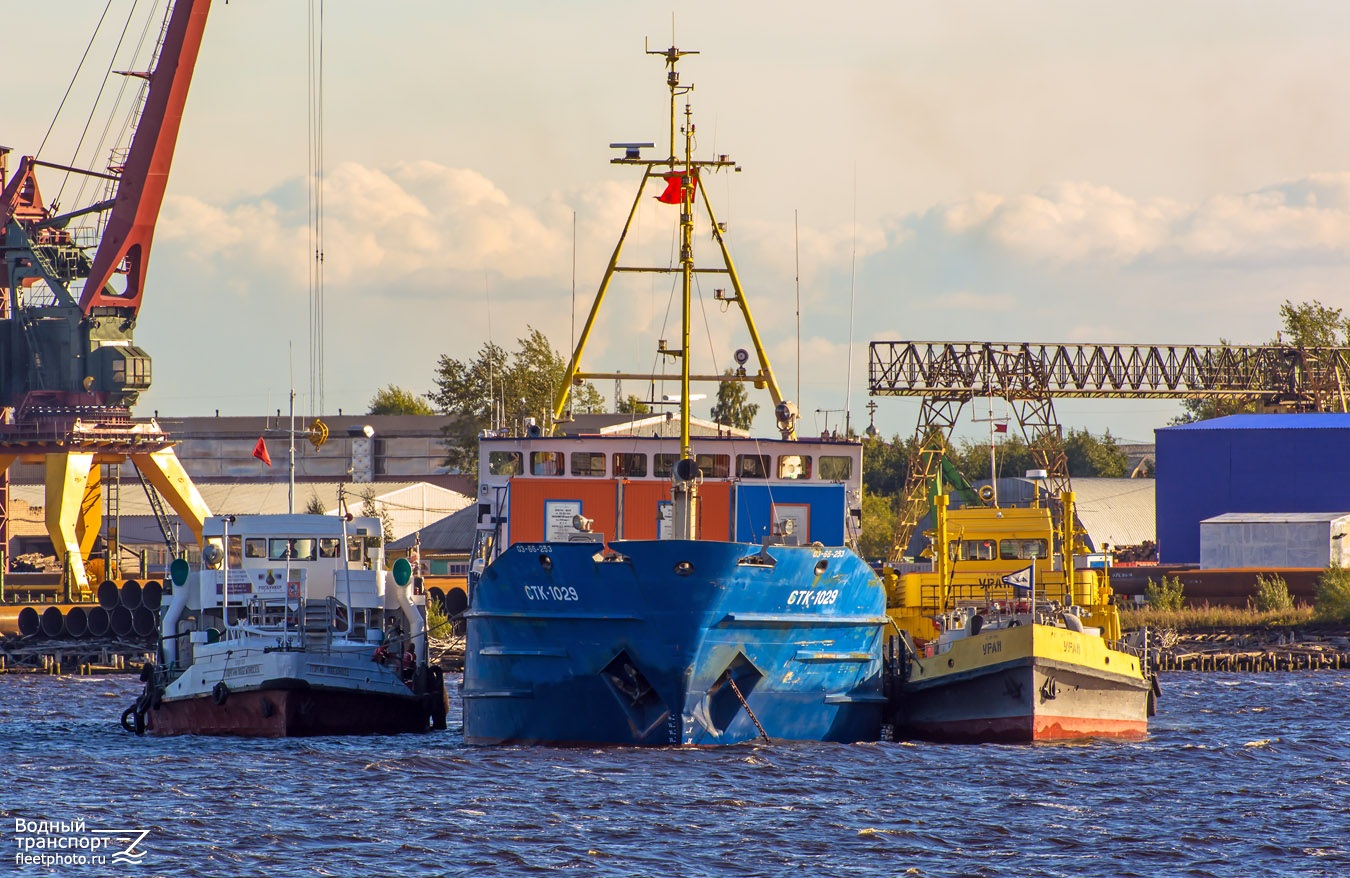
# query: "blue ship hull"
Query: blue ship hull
{"points": [[673, 643]]}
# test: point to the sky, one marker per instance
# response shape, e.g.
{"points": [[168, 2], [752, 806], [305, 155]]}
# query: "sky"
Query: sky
{"points": [[1079, 172]]}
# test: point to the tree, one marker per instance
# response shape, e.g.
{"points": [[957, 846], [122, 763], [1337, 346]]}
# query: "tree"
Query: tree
{"points": [[631, 405], [885, 465], [1306, 325], [1090, 457], [372, 509], [1313, 325], [1012, 455], [393, 400], [495, 391], [733, 407], [878, 526]]}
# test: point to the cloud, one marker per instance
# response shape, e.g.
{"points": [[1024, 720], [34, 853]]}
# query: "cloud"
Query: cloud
{"points": [[1076, 223]]}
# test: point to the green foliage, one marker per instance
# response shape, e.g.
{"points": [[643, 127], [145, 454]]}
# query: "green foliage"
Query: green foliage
{"points": [[439, 626], [1012, 455], [315, 506], [1308, 325], [500, 390], [371, 509], [1333, 594], [631, 405], [1167, 596], [392, 400], [885, 465], [1313, 325], [1090, 457], [1206, 617], [586, 399], [878, 526], [733, 407], [1272, 593]]}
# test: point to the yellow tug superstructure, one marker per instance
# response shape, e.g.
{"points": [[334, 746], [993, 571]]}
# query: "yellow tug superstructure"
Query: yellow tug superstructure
{"points": [[1007, 639]]}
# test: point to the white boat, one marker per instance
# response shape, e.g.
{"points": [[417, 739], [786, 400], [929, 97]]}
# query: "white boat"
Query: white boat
{"points": [[291, 626]]}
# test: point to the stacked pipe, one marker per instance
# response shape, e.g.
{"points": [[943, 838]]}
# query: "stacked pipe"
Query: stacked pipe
{"points": [[126, 611]]}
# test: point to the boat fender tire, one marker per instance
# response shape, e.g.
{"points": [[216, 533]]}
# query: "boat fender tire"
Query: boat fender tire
{"points": [[220, 693], [133, 721], [1157, 688]]}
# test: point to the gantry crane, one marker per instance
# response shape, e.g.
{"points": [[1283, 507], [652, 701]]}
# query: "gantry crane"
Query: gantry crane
{"points": [[72, 282], [1029, 376]]}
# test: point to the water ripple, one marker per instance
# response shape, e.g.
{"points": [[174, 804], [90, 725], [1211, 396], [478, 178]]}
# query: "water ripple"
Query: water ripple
{"points": [[1240, 776]]}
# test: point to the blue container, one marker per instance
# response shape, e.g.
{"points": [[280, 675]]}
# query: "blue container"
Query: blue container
{"points": [[1247, 463]]}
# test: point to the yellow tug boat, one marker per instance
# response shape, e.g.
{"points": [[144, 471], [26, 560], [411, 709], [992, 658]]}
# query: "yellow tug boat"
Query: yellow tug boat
{"points": [[1006, 640]]}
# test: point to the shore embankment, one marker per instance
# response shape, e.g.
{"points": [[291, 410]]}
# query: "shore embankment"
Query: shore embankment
{"points": [[1254, 650]]}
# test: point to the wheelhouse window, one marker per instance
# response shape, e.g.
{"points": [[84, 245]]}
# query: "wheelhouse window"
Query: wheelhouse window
{"points": [[794, 466], [255, 547], [752, 466], [505, 463], [834, 468], [292, 549], [630, 465], [236, 551], [714, 466], [356, 548], [973, 550], [588, 463], [663, 465], [1022, 550], [546, 463], [329, 547]]}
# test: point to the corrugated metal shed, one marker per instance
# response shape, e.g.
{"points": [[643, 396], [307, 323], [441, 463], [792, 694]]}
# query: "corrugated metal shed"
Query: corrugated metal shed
{"points": [[1275, 539], [452, 535], [1247, 463]]}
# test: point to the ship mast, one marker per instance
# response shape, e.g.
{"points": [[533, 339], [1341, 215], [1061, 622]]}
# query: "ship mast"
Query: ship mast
{"points": [[686, 171]]}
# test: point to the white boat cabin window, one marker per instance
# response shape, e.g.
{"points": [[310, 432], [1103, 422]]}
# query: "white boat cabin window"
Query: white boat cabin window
{"points": [[794, 466], [329, 547], [714, 466], [588, 463], [973, 550], [236, 551], [356, 548], [752, 466], [505, 463], [255, 547], [630, 465], [835, 469], [1022, 550], [291, 549], [546, 463]]}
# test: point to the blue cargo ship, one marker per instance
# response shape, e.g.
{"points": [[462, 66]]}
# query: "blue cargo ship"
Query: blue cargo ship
{"points": [[644, 584]]}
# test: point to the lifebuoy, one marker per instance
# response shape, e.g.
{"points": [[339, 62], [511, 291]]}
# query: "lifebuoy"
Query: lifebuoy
{"points": [[220, 693]]}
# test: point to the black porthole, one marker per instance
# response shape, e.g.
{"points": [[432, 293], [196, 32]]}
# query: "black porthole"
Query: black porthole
{"points": [[821, 566], [683, 568], [546, 562]]}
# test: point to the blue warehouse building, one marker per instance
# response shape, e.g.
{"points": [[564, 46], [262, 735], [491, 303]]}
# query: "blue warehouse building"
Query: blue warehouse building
{"points": [[1247, 463]]}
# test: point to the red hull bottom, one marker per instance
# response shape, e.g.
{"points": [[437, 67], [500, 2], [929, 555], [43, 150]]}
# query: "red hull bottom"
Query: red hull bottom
{"points": [[1027, 730], [284, 712]]}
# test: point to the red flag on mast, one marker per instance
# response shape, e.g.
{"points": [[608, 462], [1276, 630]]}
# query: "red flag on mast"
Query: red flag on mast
{"points": [[674, 183], [260, 452], [1000, 428]]}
